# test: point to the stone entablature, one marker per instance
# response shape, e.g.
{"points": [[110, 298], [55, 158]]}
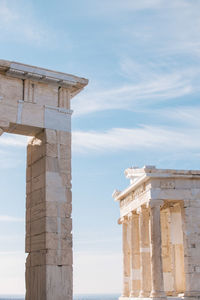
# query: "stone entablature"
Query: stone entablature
{"points": [[160, 212], [32, 97], [36, 102]]}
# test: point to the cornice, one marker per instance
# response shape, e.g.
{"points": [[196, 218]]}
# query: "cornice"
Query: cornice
{"points": [[23, 71]]}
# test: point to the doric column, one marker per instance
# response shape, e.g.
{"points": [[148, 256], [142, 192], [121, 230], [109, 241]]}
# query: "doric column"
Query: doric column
{"points": [[135, 256], [156, 250], [144, 252], [126, 259]]}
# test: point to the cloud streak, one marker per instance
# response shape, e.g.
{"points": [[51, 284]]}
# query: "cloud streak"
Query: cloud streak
{"points": [[129, 139], [19, 24], [132, 96], [13, 140], [5, 218]]}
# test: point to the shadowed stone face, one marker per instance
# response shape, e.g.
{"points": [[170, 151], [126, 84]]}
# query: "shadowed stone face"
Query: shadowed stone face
{"points": [[36, 102]]}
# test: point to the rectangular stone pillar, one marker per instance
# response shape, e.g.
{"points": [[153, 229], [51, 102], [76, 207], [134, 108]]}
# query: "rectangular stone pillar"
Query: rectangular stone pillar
{"points": [[135, 256], [48, 217]]}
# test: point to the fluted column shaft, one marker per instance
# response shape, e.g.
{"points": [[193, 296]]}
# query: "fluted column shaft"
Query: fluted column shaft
{"points": [[126, 260], [135, 256], [156, 251], [144, 252]]}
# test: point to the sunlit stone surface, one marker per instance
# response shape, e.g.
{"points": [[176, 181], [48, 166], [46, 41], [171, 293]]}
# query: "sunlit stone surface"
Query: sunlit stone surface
{"points": [[36, 102], [160, 215]]}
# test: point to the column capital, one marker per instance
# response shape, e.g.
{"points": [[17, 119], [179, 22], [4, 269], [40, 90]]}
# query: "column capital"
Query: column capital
{"points": [[123, 220], [132, 214], [142, 208], [155, 203]]}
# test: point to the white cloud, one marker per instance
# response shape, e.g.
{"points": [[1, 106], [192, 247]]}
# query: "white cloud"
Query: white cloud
{"points": [[12, 273], [4, 218], [158, 87], [186, 116], [13, 140], [114, 8], [8, 157], [19, 24], [174, 30], [6, 14], [144, 137], [97, 273]]}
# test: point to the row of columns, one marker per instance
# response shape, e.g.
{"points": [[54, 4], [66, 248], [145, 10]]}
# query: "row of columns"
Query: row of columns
{"points": [[142, 251]]}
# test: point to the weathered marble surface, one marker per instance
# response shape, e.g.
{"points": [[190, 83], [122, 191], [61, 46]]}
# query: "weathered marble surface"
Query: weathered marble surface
{"points": [[36, 102], [167, 205]]}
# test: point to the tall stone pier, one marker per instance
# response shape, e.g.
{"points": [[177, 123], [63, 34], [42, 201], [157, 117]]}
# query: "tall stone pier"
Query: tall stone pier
{"points": [[36, 102]]}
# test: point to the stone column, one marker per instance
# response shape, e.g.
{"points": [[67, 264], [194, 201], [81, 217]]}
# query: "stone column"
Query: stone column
{"points": [[135, 256], [48, 217], [156, 250], [144, 252], [177, 248], [191, 232], [126, 260]]}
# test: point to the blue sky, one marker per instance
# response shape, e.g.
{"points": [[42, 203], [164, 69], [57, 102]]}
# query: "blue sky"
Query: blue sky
{"points": [[141, 107]]}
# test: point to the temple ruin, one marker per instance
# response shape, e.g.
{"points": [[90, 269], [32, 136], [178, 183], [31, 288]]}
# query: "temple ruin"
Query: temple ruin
{"points": [[160, 216], [36, 102]]}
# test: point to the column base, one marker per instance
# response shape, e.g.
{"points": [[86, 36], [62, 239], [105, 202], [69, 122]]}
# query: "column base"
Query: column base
{"points": [[141, 298], [144, 294], [150, 298], [158, 295], [134, 294], [191, 295]]}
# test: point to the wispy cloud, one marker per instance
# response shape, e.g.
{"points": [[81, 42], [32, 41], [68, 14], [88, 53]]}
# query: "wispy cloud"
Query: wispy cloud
{"points": [[145, 137], [107, 8], [5, 218], [174, 30], [131, 96], [13, 140], [19, 24]]}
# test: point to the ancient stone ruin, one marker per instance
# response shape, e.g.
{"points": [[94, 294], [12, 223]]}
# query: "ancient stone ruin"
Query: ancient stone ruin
{"points": [[160, 215], [36, 102]]}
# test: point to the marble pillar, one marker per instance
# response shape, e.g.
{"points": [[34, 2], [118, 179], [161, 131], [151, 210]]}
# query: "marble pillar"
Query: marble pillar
{"points": [[156, 250], [126, 260], [145, 265], [135, 256]]}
